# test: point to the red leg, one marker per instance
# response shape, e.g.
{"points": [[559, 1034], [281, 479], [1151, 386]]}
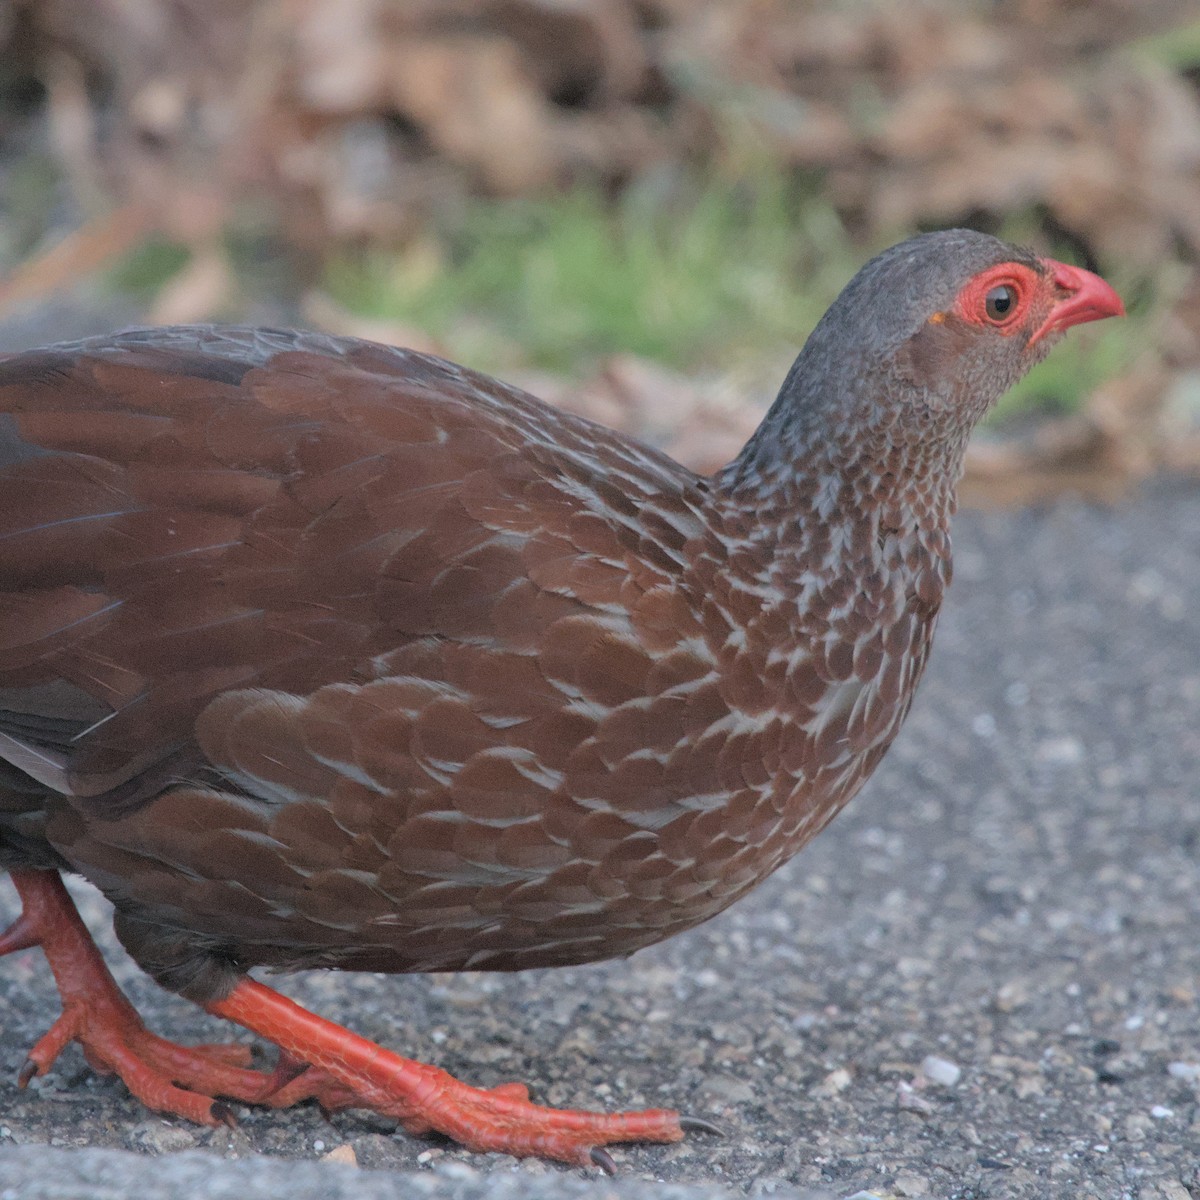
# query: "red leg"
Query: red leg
{"points": [[318, 1059], [97, 1014], [424, 1097], [299, 1082]]}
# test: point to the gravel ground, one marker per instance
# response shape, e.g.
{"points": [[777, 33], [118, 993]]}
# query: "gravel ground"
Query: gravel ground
{"points": [[981, 981]]}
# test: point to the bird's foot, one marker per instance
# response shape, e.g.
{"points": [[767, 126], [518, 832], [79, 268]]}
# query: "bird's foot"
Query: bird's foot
{"points": [[165, 1076], [299, 1082], [346, 1070], [319, 1060]]}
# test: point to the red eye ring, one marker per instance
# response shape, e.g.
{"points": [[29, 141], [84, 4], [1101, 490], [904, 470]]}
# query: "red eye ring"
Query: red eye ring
{"points": [[999, 298]]}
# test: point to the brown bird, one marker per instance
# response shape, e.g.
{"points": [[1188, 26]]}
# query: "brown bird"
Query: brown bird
{"points": [[318, 653]]}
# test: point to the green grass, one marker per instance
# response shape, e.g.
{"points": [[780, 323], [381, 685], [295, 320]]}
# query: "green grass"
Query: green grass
{"points": [[698, 278], [705, 277], [27, 198], [1176, 49], [144, 272], [691, 277]]}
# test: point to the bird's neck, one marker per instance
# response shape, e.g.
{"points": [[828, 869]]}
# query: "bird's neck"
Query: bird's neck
{"points": [[838, 503]]}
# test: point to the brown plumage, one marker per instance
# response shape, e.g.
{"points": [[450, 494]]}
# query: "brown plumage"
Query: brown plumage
{"points": [[319, 653]]}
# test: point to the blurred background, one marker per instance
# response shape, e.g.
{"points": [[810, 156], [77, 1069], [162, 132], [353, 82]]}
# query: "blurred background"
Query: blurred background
{"points": [[635, 208]]}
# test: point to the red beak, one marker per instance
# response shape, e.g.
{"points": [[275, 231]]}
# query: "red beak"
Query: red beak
{"points": [[1086, 297]]}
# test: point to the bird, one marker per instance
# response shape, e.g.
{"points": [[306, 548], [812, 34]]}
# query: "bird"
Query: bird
{"points": [[318, 653]]}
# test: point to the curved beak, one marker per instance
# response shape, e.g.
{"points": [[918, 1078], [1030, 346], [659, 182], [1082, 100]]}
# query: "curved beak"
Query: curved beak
{"points": [[1082, 297]]}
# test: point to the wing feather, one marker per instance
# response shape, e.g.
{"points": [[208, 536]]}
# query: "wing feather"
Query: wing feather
{"points": [[191, 512]]}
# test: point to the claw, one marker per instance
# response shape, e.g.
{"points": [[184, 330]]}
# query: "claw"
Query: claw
{"points": [[602, 1159], [96, 1014], [224, 1114], [700, 1125]]}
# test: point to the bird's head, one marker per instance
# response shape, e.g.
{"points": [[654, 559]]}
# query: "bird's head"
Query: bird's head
{"points": [[925, 339], [989, 312]]}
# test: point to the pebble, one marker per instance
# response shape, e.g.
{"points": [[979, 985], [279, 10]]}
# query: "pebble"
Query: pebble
{"points": [[160, 1138], [1187, 1071], [1172, 1189], [1060, 752], [836, 1081], [729, 1089], [984, 725], [1011, 996], [940, 1070], [910, 1099], [453, 1169]]}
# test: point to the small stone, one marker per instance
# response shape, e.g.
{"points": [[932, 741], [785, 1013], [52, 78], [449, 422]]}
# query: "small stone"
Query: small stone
{"points": [[912, 1185], [453, 1169], [1172, 1189], [836, 1081], [1136, 1127], [160, 1138], [1060, 752], [1147, 585], [940, 1070], [345, 1155], [984, 725], [910, 1099], [1012, 996], [1187, 1071], [1160, 1112], [729, 1089]]}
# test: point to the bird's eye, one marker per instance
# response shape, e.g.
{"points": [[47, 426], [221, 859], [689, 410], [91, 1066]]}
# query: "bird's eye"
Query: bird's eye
{"points": [[1000, 302]]}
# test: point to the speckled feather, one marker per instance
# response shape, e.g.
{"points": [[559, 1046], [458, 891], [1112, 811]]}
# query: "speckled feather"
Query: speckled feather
{"points": [[319, 653]]}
